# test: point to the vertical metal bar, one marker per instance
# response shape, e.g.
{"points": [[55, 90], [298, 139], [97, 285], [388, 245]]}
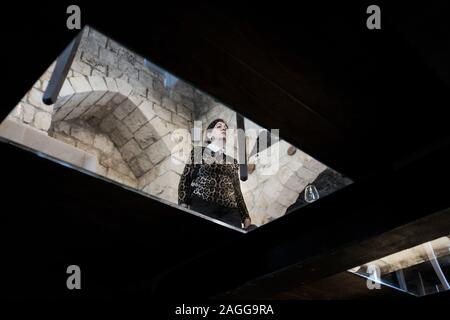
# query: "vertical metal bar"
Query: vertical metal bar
{"points": [[401, 279], [436, 266], [242, 148], [422, 287], [59, 74]]}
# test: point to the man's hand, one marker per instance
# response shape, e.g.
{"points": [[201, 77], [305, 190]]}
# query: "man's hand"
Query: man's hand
{"points": [[247, 223]]}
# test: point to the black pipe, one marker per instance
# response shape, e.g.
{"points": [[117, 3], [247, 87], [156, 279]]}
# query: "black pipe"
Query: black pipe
{"points": [[242, 148], [59, 74]]}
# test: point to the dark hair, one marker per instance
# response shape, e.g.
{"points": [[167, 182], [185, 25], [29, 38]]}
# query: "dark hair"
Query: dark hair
{"points": [[211, 126]]}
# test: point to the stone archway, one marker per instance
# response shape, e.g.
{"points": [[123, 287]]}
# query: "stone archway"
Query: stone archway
{"points": [[103, 116]]}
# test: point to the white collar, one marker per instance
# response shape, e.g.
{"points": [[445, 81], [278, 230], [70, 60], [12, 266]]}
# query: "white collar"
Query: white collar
{"points": [[215, 148]]}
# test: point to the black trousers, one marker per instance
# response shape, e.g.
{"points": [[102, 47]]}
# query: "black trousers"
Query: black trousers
{"points": [[228, 215]]}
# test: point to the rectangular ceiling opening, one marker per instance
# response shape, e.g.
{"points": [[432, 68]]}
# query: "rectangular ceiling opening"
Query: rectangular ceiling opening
{"points": [[119, 117]]}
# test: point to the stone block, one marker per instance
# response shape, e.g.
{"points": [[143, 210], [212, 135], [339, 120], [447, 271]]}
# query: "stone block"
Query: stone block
{"points": [[171, 127], [273, 189], [127, 58], [28, 112], [115, 73], [158, 151], [124, 88], [250, 184], [113, 46], [124, 109], [111, 84], [37, 85], [92, 121], [82, 134], [89, 149], [306, 175], [64, 138], [109, 161], [158, 85], [118, 99], [135, 120], [89, 45], [78, 111], [17, 112], [146, 179], [66, 89], [109, 123], [184, 89], [128, 67], [170, 194], [44, 85], [42, 120], [169, 104], [284, 174], [162, 112], [101, 170], [315, 166], [179, 121], [188, 103], [62, 112], [130, 150], [107, 97], [77, 74], [138, 88], [103, 143], [170, 142], [95, 62], [96, 72], [161, 186], [145, 136], [81, 68], [121, 134], [92, 99], [175, 96], [170, 164], [159, 127], [294, 164], [62, 127], [140, 165], [276, 210], [146, 78], [154, 96], [124, 169], [287, 197], [146, 108], [97, 83], [80, 84], [97, 37], [184, 112]]}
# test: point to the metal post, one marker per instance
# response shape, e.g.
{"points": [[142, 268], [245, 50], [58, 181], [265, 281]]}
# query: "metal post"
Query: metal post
{"points": [[59, 74], [242, 148]]}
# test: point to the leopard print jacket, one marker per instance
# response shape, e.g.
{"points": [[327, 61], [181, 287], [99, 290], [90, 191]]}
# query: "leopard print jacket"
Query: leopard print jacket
{"points": [[215, 179]]}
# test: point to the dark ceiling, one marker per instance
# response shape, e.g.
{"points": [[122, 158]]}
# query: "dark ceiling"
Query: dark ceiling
{"points": [[369, 103]]}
